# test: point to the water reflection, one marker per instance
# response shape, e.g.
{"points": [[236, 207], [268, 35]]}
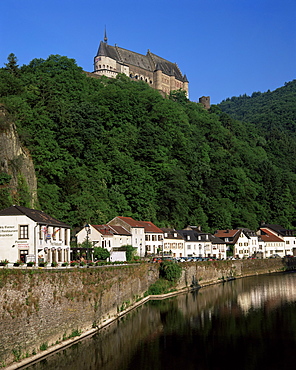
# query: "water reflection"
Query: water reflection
{"points": [[248, 323]]}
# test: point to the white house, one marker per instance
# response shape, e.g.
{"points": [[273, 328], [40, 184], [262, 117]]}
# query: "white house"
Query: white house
{"points": [[273, 244], [136, 229], [153, 238], [288, 236], [173, 242], [31, 235], [245, 242], [192, 246], [145, 236], [113, 238]]}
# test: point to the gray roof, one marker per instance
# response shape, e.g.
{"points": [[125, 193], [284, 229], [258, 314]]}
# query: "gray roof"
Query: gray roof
{"points": [[200, 237], [279, 229], [38, 216], [150, 61]]}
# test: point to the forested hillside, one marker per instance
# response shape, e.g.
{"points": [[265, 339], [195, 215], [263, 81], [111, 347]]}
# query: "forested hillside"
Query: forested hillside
{"points": [[106, 147]]}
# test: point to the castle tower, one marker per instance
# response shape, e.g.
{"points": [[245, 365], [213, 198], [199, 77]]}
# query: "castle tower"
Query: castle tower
{"points": [[205, 101]]}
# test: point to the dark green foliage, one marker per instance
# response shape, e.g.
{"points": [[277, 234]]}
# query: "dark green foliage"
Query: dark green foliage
{"points": [[170, 271], [161, 286], [273, 116], [101, 253], [106, 147], [129, 252], [4, 178], [5, 197]]}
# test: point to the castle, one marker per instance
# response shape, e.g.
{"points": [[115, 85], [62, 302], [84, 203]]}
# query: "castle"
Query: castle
{"points": [[159, 73]]}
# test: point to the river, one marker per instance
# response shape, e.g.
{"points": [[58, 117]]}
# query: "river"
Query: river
{"points": [[243, 324]]}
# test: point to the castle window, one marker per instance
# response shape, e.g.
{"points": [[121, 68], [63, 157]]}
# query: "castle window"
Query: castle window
{"points": [[100, 66]]}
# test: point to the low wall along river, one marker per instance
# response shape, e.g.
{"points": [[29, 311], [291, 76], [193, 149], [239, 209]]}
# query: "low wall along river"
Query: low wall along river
{"points": [[44, 309]]}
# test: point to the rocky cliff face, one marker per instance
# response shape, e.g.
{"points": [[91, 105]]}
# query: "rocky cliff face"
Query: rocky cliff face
{"points": [[15, 160]]}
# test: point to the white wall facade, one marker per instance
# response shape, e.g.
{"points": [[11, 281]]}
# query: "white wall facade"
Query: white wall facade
{"points": [[23, 238]]}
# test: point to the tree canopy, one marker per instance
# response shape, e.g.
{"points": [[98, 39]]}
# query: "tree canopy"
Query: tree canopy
{"points": [[107, 147]]}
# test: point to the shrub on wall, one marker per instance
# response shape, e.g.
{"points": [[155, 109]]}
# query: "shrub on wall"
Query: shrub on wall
{"points": [[170, 271]]}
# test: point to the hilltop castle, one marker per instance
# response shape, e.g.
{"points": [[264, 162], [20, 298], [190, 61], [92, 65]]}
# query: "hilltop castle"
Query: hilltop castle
{"points": [[159, 73]]}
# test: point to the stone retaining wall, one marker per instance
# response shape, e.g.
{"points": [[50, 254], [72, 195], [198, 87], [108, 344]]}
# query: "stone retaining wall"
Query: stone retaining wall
{"points": [[40, 308]]}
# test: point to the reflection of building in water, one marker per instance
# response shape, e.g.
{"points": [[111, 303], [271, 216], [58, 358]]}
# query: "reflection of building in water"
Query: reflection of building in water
{"points": [[270, 294]]}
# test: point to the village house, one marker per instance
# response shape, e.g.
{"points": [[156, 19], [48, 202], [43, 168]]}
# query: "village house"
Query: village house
{"points": [[191, 245], [112, 238], [173, 243], [29, 235], [243, 242], [273, 245], [145, 236], [287, 235]]}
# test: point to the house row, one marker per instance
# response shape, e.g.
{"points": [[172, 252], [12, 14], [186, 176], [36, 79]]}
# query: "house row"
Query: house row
{"points": [[268, 241], [148, 239], [31, 235]]}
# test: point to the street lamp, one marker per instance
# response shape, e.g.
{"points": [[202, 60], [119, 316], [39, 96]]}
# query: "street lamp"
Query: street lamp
{"points": [[87, 230]]}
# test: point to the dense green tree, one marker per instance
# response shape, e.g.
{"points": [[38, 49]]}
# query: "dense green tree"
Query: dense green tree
{"points": [[105, 147]]}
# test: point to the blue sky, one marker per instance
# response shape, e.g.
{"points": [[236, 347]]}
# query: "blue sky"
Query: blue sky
{"points": [[225, 47]]}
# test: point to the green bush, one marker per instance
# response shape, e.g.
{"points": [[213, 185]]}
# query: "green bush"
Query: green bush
{"points": [[170, 271], [161, 286], [101, 253], [130, 252]]}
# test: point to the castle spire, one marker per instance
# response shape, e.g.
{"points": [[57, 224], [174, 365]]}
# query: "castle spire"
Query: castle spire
{"points": [[105, 36]]}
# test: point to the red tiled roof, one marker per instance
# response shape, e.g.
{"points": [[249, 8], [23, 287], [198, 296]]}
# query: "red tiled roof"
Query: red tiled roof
{"points": [[103, 229], [147, 225], [226, 233], [131, 221], [269, 237], [150, 227]]}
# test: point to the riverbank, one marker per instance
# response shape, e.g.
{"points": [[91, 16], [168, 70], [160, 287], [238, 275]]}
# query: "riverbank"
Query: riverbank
{"points": [[43, 311]]}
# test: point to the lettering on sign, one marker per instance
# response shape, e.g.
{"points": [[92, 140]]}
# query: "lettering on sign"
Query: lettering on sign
{"points": [[7, 231]]}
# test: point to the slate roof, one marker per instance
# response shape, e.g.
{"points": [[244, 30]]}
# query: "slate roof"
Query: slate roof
{"points": [[150, 62], [38, 216], [200, 237], [171, 233], [169, 68]]}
